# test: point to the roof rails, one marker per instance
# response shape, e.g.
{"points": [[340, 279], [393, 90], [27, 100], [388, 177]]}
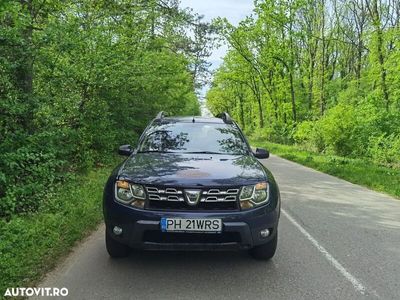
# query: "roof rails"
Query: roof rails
{"points": [[225, 117], [161, 115]]}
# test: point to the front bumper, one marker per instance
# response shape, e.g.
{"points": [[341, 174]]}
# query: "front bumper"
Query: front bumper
{"points": [[141, 228]]}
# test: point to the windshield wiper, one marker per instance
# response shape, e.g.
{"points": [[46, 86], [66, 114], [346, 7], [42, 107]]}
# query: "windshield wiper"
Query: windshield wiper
{"points": [[204, 152], [154, 151]]}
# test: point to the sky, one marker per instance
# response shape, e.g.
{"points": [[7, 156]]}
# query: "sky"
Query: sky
{"points": [[233, 10]]}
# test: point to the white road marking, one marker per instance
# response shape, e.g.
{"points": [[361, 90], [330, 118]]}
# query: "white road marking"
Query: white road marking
{"points": [[353, 280]]}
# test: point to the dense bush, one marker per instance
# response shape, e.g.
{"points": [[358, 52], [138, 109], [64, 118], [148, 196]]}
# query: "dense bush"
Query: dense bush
{"points": [[385, 150], [354, 132], [337, 128], [31, 174], [31, 244], [309, 135]]}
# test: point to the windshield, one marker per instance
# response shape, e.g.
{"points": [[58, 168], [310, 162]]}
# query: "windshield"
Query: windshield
{"points": [[194, 138]]}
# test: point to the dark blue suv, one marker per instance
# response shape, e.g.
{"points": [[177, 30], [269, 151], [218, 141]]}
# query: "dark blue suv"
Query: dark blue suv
{"points": [[192, 183]]}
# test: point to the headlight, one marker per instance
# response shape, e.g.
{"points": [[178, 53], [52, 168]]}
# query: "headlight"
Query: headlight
{"points": [[123, 192], [138, 191], [128, 193], [253, 195]]}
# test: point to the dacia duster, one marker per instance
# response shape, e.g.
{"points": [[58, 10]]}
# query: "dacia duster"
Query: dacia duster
{"points": [[192, 183]]}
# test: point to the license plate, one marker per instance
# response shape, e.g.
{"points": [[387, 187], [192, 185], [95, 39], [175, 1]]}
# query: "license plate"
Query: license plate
{"points": [[191, 225]]}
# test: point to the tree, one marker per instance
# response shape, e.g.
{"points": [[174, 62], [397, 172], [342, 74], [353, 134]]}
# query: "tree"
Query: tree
{"points": [[303, 63], [77, 78]]}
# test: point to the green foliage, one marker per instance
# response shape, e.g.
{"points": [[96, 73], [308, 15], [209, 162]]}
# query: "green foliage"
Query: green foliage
{"points": [[31, 244], [79, 78], [321, 74], [377, 177], [309, 135], [36, 178], [385, 150], [337, 128]]}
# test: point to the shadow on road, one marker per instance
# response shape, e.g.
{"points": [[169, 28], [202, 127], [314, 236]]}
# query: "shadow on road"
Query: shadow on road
{"points": [[192, 273]]}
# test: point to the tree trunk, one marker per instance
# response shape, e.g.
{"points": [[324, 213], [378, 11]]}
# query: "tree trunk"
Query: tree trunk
{"points": [[293, 98], [241, 111], [376, 19], [311, 81], [291, 66], [24, 71], [322, 86]]}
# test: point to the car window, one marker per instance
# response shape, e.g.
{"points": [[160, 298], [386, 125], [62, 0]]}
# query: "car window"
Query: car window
{"points": [[194, 137]]}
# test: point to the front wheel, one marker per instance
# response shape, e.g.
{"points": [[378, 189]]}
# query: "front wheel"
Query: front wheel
{"points": [[114, 248], [265, 251]]}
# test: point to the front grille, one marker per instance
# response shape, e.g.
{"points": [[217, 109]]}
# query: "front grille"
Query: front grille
{"points": [[156, 236], [175, 198]]}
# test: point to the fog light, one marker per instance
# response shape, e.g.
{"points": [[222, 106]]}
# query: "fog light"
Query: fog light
{"points": [[246, 204], [138, 203], [264, 233], [117, 230]]}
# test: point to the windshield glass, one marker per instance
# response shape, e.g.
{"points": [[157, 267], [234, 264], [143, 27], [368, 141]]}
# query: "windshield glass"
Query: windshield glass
{"points": [[194, 138]]}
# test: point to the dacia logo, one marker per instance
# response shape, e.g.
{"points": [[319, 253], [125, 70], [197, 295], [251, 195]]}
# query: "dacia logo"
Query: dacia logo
{"points": [[192, 196]]}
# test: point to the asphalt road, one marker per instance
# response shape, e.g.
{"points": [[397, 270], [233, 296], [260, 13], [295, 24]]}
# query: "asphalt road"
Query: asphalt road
{"points": [[337, 240]]}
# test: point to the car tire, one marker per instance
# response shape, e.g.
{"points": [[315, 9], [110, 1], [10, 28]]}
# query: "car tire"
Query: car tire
{"points": [[114, 248], [265, 251]]}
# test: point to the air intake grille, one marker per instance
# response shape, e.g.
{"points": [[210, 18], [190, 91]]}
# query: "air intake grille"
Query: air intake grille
{"points": [[175, 198]]}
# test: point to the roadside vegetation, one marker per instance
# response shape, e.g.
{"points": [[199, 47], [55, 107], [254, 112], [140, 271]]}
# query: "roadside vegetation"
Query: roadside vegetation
{"points": [[77, 79], [32, 243], [321, 75], [359, 171]]}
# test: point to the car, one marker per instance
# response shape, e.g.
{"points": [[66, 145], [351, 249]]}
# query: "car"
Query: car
{"points": [[192, 183]]}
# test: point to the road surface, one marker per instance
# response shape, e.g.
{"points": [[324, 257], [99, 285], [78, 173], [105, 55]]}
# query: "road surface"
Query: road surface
{"points": [[337, 240]]}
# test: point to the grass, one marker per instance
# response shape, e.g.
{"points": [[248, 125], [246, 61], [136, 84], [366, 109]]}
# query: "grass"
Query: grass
{"points": [[359, 171], [32, 244]]}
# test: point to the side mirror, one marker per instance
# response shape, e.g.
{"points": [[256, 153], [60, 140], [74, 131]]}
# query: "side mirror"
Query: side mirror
{"points": [[125, 150], [261, 153]]}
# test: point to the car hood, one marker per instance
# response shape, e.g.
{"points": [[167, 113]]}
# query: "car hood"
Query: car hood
{"points": [[192, 169]]}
